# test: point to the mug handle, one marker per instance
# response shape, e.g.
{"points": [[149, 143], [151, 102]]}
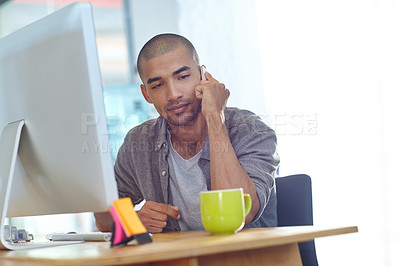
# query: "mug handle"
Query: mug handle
{"points": [[247, 201]]}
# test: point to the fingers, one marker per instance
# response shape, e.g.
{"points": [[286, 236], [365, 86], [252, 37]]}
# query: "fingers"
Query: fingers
{"points": [[209, 82], [199, 92], [228, 93], [213, 96], [212, 87], [173, 211], [208, 76], [154, 215]]}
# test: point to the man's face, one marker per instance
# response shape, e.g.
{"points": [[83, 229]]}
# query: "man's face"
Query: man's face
{"points": [[169, 82]]}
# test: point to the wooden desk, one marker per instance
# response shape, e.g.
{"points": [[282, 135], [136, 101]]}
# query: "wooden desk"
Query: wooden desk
{"points": [[261, 246]]}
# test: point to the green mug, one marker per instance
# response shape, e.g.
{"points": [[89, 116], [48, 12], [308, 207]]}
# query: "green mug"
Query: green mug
{"points": [[224, 211]]}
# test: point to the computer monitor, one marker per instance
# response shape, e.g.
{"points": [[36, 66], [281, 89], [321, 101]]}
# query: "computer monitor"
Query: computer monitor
{"points": [[50, 79]]}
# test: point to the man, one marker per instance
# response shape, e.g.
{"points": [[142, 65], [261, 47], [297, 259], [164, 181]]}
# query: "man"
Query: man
{"points": [[196, 144]]}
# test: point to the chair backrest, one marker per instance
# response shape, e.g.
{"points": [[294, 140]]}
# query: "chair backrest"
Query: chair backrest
{"points": [[294, 207]]}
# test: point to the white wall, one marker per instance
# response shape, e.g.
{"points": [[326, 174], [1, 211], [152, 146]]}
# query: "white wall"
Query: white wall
{"points": [[149, 18], [225, 36], [338, 61]]}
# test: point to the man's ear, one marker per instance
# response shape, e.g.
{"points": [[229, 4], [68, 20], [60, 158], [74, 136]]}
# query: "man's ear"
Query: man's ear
{"points": [[145, 94]]}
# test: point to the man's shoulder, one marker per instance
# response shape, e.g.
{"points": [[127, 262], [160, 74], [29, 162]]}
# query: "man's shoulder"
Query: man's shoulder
{"points": [[231, 111], [236, 117]]}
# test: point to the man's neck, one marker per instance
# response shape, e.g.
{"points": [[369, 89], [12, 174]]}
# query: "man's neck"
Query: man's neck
{"points": [[188, 140]]}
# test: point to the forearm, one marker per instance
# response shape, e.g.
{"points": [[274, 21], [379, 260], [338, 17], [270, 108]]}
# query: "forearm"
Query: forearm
{"points": [[226, 171], [104, 221]]}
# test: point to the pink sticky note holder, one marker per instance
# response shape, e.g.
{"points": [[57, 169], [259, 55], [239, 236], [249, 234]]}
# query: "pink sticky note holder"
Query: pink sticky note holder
{"points": [[118, 235], [120, 238]]}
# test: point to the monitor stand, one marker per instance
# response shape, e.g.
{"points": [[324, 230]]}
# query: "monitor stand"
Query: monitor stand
{"points": [[9, 143]]}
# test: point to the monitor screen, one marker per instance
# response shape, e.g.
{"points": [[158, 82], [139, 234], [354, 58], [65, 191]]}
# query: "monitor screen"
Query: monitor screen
{"points": [[50, 78]]}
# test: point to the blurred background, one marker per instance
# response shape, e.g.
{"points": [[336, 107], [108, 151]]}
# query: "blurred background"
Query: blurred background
{"points": [[324, 74]]}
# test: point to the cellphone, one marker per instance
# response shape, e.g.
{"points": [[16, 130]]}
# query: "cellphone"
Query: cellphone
{"points": [[202, 71]]}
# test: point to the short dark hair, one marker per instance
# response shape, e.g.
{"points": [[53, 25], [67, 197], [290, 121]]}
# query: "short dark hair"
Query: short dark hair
{"points": [[162, 44]]}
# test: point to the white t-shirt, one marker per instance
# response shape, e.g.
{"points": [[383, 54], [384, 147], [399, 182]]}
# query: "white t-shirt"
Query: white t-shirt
{"points": [[186, 181]]}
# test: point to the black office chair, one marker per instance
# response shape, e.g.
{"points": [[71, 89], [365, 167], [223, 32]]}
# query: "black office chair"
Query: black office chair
{"points": [[294, 207]]}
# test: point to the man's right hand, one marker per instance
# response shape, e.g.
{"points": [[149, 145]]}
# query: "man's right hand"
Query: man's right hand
{"points": [[154, 215]]}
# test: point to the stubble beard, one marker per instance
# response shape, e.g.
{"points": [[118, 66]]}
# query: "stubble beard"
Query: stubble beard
{"points": [[186, 119]]}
